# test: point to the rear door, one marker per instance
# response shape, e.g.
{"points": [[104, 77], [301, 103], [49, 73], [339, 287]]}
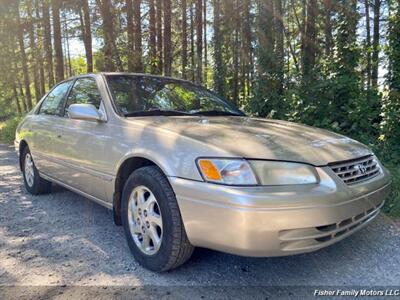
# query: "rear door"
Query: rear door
{"points": [[45, 128], [81, 147]]}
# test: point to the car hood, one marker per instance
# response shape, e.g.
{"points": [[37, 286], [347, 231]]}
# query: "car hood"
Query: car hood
{"points": [[262, 138]]}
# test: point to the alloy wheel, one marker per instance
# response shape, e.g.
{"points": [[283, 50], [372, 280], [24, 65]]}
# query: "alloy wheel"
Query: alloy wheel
{"points": [[145, 221], [29, 171]]}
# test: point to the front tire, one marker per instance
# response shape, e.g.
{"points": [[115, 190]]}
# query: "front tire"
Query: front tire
{"points": [[152, 221], [34, 184]]}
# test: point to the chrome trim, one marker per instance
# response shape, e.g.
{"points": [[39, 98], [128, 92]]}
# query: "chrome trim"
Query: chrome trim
{"points": [[357, 170]]}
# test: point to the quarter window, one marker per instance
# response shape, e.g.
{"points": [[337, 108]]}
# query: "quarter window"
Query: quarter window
{"points": [[54, 101], [84, 91]]}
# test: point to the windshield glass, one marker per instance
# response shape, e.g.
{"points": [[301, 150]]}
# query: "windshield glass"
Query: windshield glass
{"points": [[136, 95]]}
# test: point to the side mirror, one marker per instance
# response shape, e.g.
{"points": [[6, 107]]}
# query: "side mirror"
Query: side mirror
{"points": [[86, 112]]}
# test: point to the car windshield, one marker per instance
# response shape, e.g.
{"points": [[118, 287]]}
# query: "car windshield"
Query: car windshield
{"points": [[136, 95]]}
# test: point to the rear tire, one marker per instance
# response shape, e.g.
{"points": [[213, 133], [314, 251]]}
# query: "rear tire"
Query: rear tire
{"points": [[34, 184], [174, 248]]}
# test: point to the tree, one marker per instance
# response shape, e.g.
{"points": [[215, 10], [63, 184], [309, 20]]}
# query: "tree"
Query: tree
{"points": [[376, 42], [57, 40], [199, 40], [131, 35], [137, 45], [267, 99], [152, 37], [328, 8], [309, 41], [159, 25], [279, 28], [368, 46], [347, 84], [247, 49], [24, 60], [236, 48], [134, 36], [167, 38], [34, 49], [40, 49], [390, 125], [84, 17], [112, 61], [184, 39], [205, 42], [48, 47], [219, 73]]}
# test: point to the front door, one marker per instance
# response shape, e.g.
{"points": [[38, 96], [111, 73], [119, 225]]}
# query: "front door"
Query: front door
{"points": [[81, 146]]}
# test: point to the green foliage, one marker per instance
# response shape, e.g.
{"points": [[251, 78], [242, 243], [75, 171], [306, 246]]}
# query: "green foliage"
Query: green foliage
{"points": [[7, 129], [390, 126], [392, 206], [78, 65]]}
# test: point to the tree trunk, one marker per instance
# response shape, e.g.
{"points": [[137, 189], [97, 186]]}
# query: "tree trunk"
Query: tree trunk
{"points": [[219, 72], [86, 34], [247, 55], [111, 55], [309, 40], [192, 54], [34, 49], [280, 55], [15, 95], [21, 92], [236, 47], [199, 41], [40, 54], [24, 62], [130, 31], [47, 43], [159, 12], [137, 25], [375, 45], [184, 38], [167, 38], [368, 45], [328, 27], [152, 37], [57, 40], [205, 43]]}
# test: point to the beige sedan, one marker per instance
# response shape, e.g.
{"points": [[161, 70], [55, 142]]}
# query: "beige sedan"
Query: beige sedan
{"points": [[180, 167]]}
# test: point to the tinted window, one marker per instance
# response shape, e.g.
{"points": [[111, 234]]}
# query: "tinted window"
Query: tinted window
{"points": [[145, 93], [84, 91], [53, 104]]}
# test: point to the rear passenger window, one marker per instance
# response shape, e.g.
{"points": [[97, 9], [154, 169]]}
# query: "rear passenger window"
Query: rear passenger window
{"points": [[53, 104], [84, 91]]}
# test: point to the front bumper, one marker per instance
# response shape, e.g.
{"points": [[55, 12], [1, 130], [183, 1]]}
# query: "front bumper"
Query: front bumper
{"points": [[280, 220]]}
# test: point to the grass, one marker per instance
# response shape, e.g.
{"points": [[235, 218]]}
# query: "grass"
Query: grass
{"points": [[392, 163], [7, 129]]}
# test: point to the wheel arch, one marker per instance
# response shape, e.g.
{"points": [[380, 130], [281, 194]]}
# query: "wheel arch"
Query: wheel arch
{"points": [[125, 169]]}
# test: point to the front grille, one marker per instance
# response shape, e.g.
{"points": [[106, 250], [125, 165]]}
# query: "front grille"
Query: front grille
{"points": [[357, 170]]}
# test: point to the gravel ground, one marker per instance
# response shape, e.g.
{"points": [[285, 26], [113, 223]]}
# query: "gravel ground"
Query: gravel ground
{"points": [[62, 245]]}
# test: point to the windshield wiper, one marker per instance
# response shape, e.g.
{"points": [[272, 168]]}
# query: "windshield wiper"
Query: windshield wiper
{"points": [[157, 112], [218, 113]]}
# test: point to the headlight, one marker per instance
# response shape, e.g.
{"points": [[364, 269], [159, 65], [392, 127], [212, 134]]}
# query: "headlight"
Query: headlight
{"points": [[283, 173], [227, 171]]}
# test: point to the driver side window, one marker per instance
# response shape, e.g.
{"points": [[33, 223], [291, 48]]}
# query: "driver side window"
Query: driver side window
{"points": [[84, 91]]}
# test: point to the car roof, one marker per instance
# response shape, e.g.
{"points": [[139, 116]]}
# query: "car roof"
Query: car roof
{"points": [[128, 74]]}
